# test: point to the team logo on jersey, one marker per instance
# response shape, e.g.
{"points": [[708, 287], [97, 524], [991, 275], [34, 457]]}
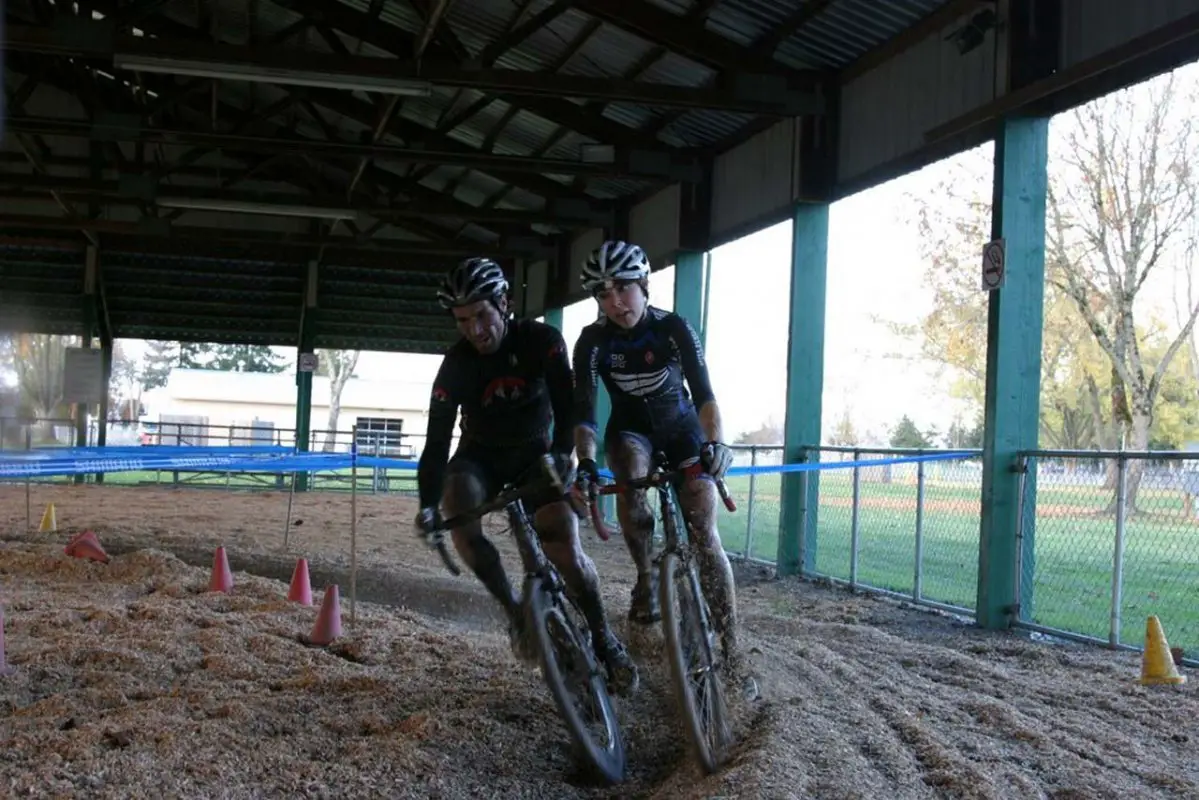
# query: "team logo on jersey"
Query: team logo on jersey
{"points": [[616, 360], [440, 395], [649, 356], [506, 388]]}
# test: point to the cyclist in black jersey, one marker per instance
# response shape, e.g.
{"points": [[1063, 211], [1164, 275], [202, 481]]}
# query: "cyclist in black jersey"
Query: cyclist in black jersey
{"points": [[647, 359], [512, 380]]}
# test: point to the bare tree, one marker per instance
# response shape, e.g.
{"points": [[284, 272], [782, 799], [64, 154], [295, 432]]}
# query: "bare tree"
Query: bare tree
{"points": [[39, 362], [1119, 208], [127, 375], [339, 366]]}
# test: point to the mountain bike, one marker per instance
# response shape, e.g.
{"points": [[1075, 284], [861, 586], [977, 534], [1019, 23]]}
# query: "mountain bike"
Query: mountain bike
{"points": [[686, 619], [569, 665]]}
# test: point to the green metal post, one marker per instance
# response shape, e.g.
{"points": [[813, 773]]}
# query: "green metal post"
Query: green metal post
{"points": [[1013, 380], [805, 387], [303, 421], [690, 270], [553, 317], [106, 353]]}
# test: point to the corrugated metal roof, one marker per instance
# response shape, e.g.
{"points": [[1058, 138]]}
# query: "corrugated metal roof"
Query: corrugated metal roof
{"points": [[848, 29]]}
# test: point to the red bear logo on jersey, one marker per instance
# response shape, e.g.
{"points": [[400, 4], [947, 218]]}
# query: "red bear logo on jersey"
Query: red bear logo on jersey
{"points": [[440, 395], [505, 388]]}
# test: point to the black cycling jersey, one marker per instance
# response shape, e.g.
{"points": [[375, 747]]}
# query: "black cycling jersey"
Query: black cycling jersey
{"points": [[509, 398], [644, 369]]}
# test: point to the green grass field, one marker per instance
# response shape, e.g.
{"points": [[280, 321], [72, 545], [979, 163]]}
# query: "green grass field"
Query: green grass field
{"points": [[1074, 541], [1070, 573]]}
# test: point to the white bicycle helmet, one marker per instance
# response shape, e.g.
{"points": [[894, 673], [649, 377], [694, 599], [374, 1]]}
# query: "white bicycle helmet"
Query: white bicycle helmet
{"points": [[470, 281], [614, 261]]}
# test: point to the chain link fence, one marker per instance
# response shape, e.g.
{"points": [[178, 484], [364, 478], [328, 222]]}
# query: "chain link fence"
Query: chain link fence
{"points": [[902, 527], [1115, 539], [1107, 539]]}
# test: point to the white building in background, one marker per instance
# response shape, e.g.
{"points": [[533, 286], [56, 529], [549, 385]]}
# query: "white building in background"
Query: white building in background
{"points": [[211, 407]]}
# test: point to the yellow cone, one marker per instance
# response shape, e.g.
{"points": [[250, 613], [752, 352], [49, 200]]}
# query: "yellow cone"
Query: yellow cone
{"points": [[1157, 665], [49, 522]]}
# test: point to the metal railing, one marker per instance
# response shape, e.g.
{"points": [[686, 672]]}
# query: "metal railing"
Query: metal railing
{"points": [[1106, 538], [907, 529]]}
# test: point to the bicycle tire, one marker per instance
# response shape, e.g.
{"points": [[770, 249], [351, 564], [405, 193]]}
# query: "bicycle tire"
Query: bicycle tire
{"points": [[710, 751], [608, 762]]}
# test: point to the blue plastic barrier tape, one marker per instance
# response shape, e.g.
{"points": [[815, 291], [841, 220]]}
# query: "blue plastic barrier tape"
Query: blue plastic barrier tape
{"points": [[82, 461], [43, 453]]}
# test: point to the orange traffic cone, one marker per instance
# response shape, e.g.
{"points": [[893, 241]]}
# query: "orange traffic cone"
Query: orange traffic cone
{"points": [[328, 619], [5, 669], [1157, 665], [222, 576], [87, 545], [301, 588]]}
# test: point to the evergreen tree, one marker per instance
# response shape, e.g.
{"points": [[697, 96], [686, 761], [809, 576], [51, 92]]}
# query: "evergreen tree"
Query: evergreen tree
{"points": [[907, 436]]}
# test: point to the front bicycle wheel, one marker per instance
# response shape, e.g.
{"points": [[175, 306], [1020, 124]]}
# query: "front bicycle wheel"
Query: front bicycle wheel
{"points": [[576, 682], [690, 649]]}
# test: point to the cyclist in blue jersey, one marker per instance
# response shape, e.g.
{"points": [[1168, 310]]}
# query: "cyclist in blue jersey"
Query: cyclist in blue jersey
{"points": [[512, 380], [647, 359]]}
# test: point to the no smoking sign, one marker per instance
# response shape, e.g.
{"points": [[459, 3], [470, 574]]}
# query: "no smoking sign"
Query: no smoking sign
{"points": [[994, 265]]}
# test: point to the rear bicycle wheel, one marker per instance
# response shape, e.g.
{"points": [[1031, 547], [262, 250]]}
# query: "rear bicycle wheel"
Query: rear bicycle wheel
{"points": [[576, 681], [690, 650]]}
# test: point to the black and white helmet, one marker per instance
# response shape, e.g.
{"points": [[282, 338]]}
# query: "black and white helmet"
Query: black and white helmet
{"points": [[470, 281], [613, 261]]}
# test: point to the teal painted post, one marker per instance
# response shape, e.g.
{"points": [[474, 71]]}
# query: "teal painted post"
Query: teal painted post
{"points": [[805, 387], [303, 422], [690, 270], [553, 317], [1013, 379]]}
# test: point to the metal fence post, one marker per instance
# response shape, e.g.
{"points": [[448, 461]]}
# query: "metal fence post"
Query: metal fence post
{"points": [[853, 530], [749, 510], [917, 588], [1022, 466], [803, 517], [28, 501], [1113, 635]]}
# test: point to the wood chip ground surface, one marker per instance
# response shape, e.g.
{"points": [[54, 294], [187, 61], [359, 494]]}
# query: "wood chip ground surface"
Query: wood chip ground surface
{"points": [[129, 680]]}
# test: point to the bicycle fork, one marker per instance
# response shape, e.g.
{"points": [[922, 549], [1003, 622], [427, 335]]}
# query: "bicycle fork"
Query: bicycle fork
{"points": [[685, 559]]}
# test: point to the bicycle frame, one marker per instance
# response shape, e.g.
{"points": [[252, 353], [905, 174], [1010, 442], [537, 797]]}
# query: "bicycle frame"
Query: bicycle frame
{"points": [[664, 481], [510, 500], [545, 602]]}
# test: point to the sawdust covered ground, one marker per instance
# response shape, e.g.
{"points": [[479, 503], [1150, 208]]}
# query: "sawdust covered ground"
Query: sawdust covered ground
{"points": [[130, 681]]}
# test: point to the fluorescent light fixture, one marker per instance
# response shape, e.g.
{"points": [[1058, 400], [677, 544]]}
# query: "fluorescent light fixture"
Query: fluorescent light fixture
{"points": [[292, 77], [597, 153], [244, 207]]}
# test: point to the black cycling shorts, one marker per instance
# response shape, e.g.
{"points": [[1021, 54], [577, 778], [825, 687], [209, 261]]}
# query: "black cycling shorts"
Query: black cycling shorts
{"points": [[498, 467], [680, 444]]}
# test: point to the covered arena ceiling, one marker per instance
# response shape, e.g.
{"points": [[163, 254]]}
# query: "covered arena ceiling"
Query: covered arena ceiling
{"points": [[212, 150], [299, 172]]}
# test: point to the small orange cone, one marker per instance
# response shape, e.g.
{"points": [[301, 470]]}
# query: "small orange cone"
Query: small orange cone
{"points": [[328, 619], [5, 669], [222, 576], [1157, 665], [301, 588], [87, 545]]}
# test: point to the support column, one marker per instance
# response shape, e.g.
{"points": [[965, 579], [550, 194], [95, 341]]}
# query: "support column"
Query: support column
{"points": [[83, 409], [106, 353], [691, 278], [1013, 380], [303, 376], [805, 387]]}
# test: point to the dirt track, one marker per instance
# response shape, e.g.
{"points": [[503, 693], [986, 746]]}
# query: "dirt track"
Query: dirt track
{"points": [[130, 681]]}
